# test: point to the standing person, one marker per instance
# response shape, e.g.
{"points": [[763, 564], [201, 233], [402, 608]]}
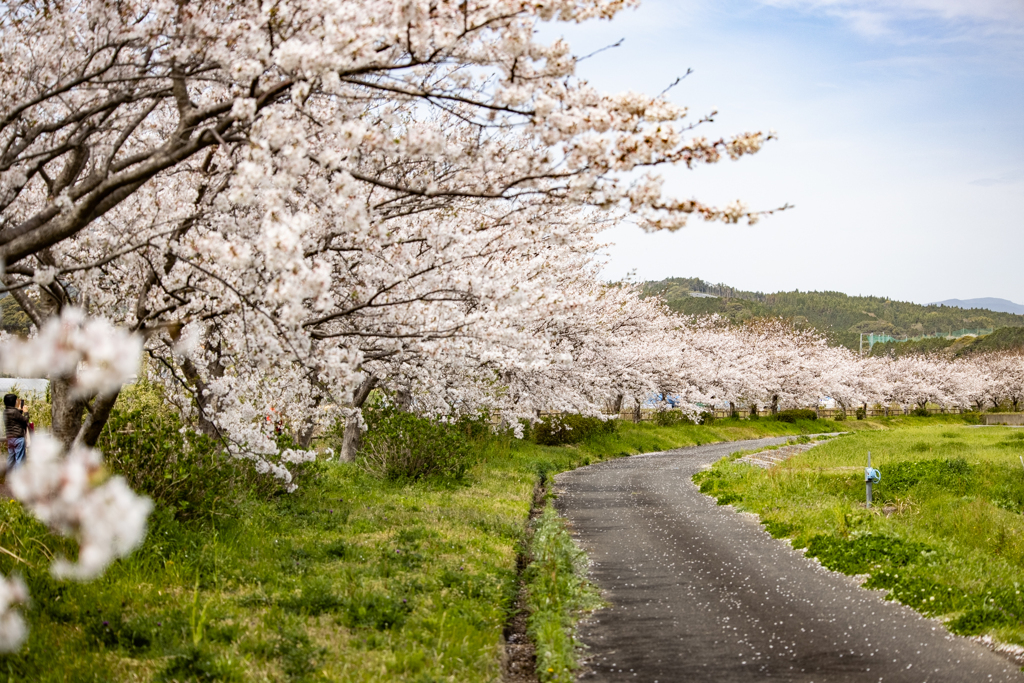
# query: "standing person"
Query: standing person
{"points": [[16, 419]]}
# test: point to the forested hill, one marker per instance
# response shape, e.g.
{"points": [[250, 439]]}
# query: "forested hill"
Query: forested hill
{"points": [[1003, 339], [841, 317]]}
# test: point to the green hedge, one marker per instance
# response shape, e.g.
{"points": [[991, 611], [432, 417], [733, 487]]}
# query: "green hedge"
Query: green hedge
{"points": [[796, 414], [402, 446], [559, 430]]}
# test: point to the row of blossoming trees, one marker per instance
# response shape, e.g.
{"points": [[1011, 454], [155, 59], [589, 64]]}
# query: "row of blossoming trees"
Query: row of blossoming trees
{"points": [[285, 205]]}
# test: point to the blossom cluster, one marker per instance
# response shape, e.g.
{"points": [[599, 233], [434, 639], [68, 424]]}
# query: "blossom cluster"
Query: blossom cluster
{"points": [[68, 489], [72, 494], [96, 355]]}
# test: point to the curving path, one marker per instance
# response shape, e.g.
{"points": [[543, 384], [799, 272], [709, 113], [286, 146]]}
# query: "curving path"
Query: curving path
{"points": [[698, 592]]}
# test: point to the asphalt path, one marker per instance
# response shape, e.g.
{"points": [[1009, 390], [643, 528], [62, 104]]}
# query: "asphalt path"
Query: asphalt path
{"points": [[699, 592]]}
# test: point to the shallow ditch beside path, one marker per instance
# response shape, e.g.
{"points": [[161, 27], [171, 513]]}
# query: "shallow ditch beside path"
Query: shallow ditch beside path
{"points": [[519, 663]]}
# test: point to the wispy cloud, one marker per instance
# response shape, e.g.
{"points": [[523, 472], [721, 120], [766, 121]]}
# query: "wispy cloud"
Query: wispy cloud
{"points": [[884, 18], [1008, 178]]}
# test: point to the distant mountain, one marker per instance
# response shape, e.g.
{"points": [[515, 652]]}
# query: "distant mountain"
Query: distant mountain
{"points": [[990, 303], [840, 317]]}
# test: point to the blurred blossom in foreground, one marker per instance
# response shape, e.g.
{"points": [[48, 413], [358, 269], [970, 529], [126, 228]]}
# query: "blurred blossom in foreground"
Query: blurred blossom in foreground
{"points": [[71, 493], [100, 356], [12, 625], [107, 517]]}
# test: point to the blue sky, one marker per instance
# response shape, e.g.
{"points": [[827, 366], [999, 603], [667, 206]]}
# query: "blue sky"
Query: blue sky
{"points": [[901, 141]]}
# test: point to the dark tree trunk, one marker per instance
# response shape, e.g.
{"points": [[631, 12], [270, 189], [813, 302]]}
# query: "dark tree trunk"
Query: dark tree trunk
{"points": [[775, 404], [403, 400], [304, 430], [617, 406], [352, 440], [66, 411], [638, 412], [304, 435], [96, 419], [203, 399]]}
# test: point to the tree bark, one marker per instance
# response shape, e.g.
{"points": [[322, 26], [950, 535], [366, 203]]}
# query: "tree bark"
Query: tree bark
{"points": [[66, 411], [96, 419], [352, 440], [204, 402], [304, 436], [403, 400]]}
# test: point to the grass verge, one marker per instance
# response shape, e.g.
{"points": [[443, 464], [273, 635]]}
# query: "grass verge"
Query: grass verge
{"points": [[348, 579], [946, 532], [558, 593]]}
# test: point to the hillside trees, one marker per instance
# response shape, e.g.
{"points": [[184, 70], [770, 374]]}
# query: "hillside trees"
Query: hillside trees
{"points": [[835, 314]]}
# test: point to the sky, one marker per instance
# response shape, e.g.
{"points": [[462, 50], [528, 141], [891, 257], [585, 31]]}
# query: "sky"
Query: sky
{"points": [[901, 144]]}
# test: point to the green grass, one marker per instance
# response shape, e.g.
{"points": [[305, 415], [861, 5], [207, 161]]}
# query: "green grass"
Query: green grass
{"points": [[348, 579], [946, 532], [558, 593]]}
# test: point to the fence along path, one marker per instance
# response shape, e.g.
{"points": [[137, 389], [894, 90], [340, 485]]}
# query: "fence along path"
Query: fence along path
{"points": [[651, 414]]}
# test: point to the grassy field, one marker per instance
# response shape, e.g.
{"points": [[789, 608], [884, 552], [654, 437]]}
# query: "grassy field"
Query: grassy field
{"points": [[946, 532], [348, 579]]}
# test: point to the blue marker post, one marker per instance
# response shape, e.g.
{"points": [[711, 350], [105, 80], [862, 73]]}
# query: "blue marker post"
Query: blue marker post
{"points": [[871, 476]]}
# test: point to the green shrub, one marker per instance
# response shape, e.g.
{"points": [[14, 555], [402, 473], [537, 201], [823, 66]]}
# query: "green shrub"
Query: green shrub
{"points": [[972, 417], [840, 416], [403, 446], [667, 418], [921, 412], [953, 475], [185, 472], [862, 413], [559, 430], [796, 414], [858, 555]]}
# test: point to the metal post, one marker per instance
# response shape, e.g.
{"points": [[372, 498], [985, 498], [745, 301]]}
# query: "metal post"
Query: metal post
{"points": [[871, 477], [868, 482]]}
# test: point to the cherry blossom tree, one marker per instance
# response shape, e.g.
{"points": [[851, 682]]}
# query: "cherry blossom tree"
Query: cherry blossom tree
{"points": [[1006, 370], [241, 183]]}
